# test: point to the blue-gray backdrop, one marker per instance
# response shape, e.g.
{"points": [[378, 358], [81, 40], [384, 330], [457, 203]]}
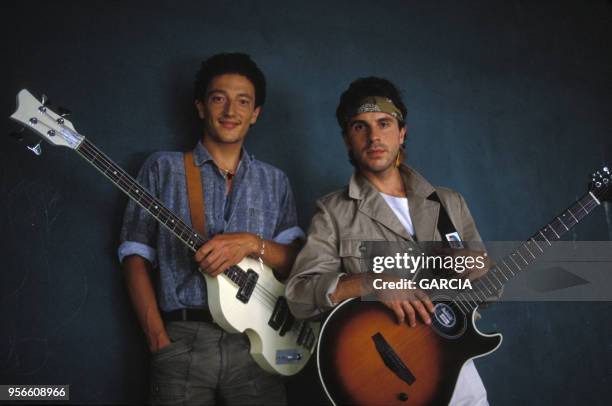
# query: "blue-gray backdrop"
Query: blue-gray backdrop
{"points": [[509, 103]]}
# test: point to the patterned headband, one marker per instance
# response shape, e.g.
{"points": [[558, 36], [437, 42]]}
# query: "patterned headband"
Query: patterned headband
{"points": [[376, 104]]}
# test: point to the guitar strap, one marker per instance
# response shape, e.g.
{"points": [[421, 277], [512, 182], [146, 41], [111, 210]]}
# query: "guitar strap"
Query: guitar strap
{"points": [[195, 194], [446, 228]]}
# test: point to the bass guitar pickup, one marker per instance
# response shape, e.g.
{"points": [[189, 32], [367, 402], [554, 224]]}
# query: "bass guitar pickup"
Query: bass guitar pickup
{"points": [[281, 317], [248, 286]]}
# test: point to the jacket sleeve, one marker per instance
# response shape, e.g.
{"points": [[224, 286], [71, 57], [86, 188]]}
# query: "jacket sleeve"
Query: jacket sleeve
{"points": [[317, 268]]}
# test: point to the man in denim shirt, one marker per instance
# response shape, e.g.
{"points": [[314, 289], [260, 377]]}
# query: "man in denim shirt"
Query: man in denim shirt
{"points": [[249, 211]]}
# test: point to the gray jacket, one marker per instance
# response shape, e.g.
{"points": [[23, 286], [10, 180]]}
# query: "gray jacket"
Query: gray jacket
{"points": [[356, 213]]}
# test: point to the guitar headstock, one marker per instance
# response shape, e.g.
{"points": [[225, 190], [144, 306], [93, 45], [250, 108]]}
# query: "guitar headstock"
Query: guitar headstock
{"points": [[52, 127], [601, 183]]}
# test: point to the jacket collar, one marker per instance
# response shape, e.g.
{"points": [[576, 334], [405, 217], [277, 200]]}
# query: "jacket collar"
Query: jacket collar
{"points": [[423, 212]]}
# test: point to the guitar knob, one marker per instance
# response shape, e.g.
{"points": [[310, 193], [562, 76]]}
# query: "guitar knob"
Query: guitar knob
{"points": [[402, 396]]}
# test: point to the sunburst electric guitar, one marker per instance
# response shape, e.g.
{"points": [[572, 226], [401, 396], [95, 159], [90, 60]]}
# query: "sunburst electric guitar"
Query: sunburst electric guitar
{"points": [[245, 298], [366, 358]]}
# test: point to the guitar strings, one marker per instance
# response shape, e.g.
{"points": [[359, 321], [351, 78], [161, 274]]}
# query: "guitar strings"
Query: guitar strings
{"points": [[267, 297], [480, 284], [146, 200], [472, 302]]}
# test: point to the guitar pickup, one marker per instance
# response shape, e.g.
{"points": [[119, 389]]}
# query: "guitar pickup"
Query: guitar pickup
{"points": [[289, 319], [279, 314], [303, 334], [310, 340], [246, 289]]}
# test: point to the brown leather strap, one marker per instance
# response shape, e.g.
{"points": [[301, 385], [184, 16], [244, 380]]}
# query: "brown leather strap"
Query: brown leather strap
{"points": [[195, 194]]}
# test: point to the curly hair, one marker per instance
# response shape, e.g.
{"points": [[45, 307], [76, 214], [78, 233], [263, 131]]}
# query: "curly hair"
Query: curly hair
{"points": [[225, 63]]}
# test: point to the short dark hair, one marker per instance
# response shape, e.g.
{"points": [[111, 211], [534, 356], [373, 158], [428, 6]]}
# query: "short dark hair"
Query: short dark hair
{"points": [[364, 87], [224, 63]]}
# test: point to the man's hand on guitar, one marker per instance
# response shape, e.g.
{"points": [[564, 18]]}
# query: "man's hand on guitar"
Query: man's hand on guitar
{"points": [[403, 308], [226, 250], [407, 304]]}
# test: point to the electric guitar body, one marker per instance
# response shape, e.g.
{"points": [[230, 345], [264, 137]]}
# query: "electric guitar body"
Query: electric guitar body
{"points": [[279, 343]]}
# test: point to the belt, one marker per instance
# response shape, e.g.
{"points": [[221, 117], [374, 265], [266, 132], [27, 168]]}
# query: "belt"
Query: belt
{"points": [[188, 315]]}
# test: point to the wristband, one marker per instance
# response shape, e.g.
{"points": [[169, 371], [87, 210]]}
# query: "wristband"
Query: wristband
{"points": [[262, 250], [262, 246]]}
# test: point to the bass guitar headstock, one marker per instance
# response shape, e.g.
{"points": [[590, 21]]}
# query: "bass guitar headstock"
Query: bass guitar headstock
{"points": [[51, 126], [601, 182]]}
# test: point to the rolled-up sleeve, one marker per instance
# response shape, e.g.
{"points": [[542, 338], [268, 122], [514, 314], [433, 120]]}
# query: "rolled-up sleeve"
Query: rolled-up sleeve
{"points": [[287, 229], [317, 268], [289, 235], [128, 248]]}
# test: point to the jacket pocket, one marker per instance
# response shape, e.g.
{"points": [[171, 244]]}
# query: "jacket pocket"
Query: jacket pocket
{"points": [[350, 255], [354, 255]]}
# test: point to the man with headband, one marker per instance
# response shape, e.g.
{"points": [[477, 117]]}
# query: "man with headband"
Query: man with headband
{"points": [[385, 200]]}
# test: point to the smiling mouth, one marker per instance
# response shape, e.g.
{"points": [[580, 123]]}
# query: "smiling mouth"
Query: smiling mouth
{"points": [[228, 124]]}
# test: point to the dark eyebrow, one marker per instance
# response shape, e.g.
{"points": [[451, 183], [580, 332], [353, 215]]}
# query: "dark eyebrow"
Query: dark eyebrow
{"points": [[213, 91], [357, 122]]}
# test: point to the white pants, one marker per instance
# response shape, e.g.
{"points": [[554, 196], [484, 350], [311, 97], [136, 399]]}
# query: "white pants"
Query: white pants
{"points": [[469, 390]]}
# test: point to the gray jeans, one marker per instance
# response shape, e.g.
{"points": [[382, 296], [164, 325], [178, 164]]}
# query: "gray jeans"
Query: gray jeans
{"points": [[205, 366]]}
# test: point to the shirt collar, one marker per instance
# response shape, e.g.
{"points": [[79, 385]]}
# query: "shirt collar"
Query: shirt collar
{"points": [[201, 156]]}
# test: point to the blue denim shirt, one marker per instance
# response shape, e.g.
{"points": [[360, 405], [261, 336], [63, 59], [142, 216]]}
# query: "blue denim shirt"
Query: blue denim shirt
{"points": [[260, 202]]}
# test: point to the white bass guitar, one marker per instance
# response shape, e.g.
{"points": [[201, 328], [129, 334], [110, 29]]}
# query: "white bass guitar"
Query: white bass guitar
{"points": [[245, 298]]}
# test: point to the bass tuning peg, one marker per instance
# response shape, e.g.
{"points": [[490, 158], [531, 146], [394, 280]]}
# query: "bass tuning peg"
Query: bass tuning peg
{"points": [[36, 149]]}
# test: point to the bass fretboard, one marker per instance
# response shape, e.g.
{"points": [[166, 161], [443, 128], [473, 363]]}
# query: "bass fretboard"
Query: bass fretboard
{"points": [[150, 203]]}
